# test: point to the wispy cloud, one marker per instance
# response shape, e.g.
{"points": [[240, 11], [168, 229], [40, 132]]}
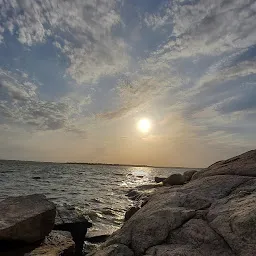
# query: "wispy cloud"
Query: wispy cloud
{"points": [[22, 105], [82, 31]]}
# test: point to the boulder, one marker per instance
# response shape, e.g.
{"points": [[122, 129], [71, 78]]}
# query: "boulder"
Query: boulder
{"points": [[159, 179], [188, 175], [26, 218], [130, 212], [214, 214], [67, 219], [175, 179], [243, 165], [55, 244]]}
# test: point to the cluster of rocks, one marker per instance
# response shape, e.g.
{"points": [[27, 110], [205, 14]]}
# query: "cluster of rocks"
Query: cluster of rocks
{"points": [[212, 214], [32, 226]]}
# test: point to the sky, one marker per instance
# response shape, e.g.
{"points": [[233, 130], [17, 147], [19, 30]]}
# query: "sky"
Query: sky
{"points": [[76, 76]]}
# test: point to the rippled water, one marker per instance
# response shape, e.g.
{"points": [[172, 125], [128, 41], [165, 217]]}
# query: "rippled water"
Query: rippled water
{"points": [[97, 190]]}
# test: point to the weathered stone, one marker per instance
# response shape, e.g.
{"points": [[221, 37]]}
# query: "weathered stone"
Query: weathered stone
{"points": [[188, 175], [55, 244], [130, 212], [234, 218], [77, 225], [212, 215], [26, 218], [243, 165], [174, 179], [115, 250]]}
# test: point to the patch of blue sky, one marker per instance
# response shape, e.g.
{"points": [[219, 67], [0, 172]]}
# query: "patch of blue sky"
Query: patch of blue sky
{"points": [[43, 63], [142, 40]]}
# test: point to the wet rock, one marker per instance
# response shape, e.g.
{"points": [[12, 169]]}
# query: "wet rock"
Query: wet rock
{"points": [[77, 225], [133, 194], [211, 215], [159, 179], [130, 212], [26, 218], [175, 179], [188, 175]]}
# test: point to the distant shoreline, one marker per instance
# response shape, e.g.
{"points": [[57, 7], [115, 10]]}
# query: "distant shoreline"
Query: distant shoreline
{"points": [[107, 164]]}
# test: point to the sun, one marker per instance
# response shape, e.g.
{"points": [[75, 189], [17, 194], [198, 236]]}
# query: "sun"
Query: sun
{"points": [[144, 125]]}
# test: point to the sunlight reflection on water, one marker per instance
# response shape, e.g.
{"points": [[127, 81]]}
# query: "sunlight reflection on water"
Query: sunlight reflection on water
{"points": [[98, 191]]}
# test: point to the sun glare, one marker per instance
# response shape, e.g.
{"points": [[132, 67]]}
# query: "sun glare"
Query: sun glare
{"points": [[144, 125]]}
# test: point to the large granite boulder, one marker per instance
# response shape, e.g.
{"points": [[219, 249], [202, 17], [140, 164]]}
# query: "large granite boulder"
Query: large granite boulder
{"points": [[26, 218], [214, 214], [244, 165]]}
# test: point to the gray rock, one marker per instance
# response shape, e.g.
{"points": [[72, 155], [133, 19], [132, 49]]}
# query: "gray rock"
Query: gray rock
{"points": [[243, 165], [77, 225], [26, 218], [188, 175], [130, 212], [115, 250], [55, 244], [175, 179], [214, 214]]}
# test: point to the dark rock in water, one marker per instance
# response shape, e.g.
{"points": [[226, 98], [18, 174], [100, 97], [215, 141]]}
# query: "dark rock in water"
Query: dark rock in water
{"points": [[188, 175], [97, 239], [133, 194], [26, 218], [77, 225], [130, 212], [174, 179], [214, 214], [140, 176], [159, 179], [36, 178]]}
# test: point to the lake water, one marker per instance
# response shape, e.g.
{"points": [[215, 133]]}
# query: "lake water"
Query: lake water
{"points": [[95, 190]]}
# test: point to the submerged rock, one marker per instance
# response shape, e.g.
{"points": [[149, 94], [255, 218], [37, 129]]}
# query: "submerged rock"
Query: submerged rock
{"points": [[26, 218], [214, 214]]}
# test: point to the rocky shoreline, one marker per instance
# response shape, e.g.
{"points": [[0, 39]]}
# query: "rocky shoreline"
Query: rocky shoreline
{"points": [[213, 214], [209, 212]]}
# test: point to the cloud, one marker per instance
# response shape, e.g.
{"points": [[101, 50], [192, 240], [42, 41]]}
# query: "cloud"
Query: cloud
{"points": [[82, 30], [209, 28], [22, 105]]}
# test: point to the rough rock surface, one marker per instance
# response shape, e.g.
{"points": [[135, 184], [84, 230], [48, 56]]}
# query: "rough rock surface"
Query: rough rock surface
{"points": [[175, 179], [188, 174], [243, 165], [214, 214], [55, 244], [26, 218], [77, 225]]}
